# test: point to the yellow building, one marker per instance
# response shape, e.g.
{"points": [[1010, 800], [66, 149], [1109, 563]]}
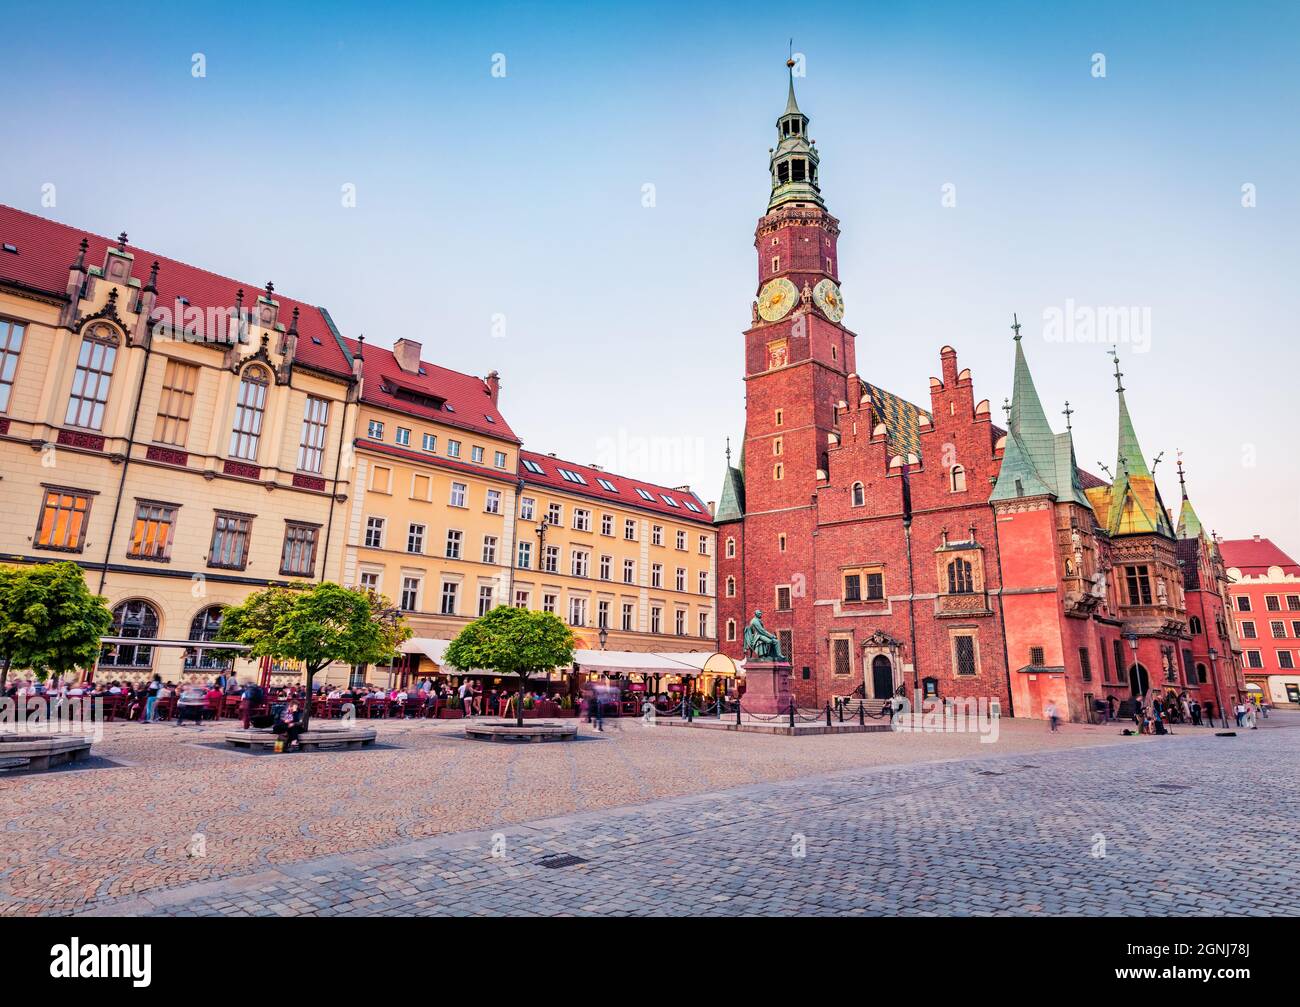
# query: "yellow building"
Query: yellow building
{"points": [[603, 551], [430, 524], [188, 439], [176, 433]]}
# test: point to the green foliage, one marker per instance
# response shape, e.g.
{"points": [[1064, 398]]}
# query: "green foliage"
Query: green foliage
{"points": [[512, 641], [316, 626], [49, 620]]}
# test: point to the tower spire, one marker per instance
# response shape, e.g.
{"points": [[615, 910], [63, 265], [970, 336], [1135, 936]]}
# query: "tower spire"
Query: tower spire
{"points": [[794, 160]]}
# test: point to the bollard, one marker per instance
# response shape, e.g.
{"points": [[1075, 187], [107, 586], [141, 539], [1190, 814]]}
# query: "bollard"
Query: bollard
{"points": [[828, 713], [862, 714], [841, 706], [791, 713], [737, 712], [690, 710]]}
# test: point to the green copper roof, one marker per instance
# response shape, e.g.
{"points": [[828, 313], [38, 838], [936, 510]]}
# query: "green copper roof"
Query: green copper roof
{"points": [[1035, 461], [731, 505], [791, 106], [1189, 525], [1135, 504], [1018, 477]]}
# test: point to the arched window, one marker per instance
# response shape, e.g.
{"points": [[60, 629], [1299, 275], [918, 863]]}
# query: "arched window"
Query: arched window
{"points": [[1194, 624], [960, 580], [249, 408], [91, 381], [203, 629], [132, 620], [731, 587], [958, 479], [731, 548], [731, 629], [859, 495]]}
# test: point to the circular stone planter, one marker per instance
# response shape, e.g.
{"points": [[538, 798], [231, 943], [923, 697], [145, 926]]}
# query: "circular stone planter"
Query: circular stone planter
{"points": [[533, 730], [354, 737], [34, 752]]}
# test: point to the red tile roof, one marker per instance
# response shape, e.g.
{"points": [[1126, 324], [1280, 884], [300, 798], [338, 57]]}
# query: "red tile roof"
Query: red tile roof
{"points": [[471, 406], [47, 248], [627, 494], [1253, 556], [504, 476]]}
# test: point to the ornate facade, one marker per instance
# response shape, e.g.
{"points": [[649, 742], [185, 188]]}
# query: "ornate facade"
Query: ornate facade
{"points": [[898, 547], [187, 438]]}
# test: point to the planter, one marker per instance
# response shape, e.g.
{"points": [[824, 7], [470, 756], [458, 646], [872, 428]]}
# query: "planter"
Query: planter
{"points": [[450, 714]]}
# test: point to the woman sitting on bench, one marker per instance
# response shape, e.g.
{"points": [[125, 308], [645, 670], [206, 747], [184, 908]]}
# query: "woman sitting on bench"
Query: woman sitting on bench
{"points": [[290, 725]]}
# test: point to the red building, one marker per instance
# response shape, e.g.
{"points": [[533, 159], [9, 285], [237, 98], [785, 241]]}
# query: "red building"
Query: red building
{"points": [[1264, 590], [892, 546], [857, 522]]}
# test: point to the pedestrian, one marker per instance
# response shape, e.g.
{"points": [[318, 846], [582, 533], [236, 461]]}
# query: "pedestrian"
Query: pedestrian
{"points": [[1239, 712], [151, 699], [1196, 713]]}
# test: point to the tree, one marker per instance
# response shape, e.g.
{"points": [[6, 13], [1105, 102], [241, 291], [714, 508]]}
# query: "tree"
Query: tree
{"points": [[315, 626], [513, 641], [49, 620]]}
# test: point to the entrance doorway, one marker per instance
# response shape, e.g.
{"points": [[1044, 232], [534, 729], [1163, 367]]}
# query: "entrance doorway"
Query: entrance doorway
{"points": [[1138, 682], [882, 677]]}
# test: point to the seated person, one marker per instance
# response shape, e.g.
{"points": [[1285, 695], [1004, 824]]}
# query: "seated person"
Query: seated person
{"points": [[289, 725]]}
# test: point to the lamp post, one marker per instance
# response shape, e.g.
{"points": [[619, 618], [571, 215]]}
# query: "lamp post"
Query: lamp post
{"points": [[1218, 695], [603, 635], [1134, 680]]}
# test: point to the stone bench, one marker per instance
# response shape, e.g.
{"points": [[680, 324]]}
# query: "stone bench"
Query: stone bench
{"points": [[356, 737], [41, 751], [533, 730]]}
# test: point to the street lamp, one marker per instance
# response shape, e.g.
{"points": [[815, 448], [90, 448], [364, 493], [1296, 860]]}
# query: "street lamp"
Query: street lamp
{"points": [[604, 635], [1218, 696], [1135, 681]]}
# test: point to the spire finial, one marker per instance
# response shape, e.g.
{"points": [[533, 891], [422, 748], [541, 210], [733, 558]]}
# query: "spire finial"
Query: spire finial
{"points": [[1068, 413], [270, 290], [728, 452], [1119, 384], [1156, 461], [1006, 408], [121, 242], [1015, 326], [1182, 477], [293, 322], [153, 277]]}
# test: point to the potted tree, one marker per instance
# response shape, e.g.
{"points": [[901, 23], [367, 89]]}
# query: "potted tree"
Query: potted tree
{"points": [[316, 626], [513, 641]]}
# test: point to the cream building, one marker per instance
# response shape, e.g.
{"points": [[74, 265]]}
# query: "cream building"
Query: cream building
{"points": [[181, 463]]}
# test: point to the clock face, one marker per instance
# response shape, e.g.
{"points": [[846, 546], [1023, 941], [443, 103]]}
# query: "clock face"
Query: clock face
{"points": [[776, 299], [827, 297]]}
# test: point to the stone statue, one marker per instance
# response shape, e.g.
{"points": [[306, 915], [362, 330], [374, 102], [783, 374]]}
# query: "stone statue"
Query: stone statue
{"points": [[754, 312], [760, 644], [1162, 592]]}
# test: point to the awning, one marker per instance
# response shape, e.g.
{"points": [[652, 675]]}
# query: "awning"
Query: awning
{"points": [[628, 662], [624, 662]]}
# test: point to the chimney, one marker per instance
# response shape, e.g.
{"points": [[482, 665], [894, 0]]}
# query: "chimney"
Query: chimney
{"points": [[407, 352], [359, 365], [493, 382]]}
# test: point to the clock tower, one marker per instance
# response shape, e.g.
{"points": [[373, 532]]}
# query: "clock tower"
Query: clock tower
{"points": [[797, 351]]}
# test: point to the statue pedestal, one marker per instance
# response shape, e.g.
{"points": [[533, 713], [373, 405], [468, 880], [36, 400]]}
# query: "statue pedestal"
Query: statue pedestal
{"points": [[767, 687]]}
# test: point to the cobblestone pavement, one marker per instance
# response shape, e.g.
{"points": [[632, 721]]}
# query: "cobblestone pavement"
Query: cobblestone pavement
{"points": [[667, 822]]}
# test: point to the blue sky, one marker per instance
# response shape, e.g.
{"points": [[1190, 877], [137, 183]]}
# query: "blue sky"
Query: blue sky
{"points": [[483, 200]]}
